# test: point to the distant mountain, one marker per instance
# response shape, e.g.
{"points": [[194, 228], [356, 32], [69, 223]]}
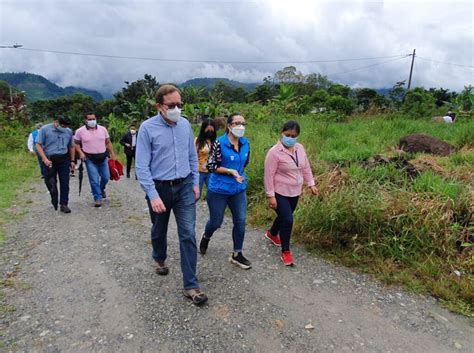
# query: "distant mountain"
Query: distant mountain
{"points": [[37, 87], [210, 82]]}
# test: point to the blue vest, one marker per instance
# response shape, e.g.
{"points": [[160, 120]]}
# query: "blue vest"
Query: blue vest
{"points": [[34, 134], [226, 184]]}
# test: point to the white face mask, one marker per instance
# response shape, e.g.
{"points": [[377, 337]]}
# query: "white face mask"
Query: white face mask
{"points": [[133, 132], [173, 114], [92, 123], [238, 131]]}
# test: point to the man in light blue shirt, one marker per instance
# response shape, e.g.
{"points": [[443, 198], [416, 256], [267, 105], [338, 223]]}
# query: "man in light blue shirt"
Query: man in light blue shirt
{"points": [[55, 147], [166, 165]]}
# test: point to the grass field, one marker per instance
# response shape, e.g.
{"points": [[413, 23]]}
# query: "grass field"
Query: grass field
{"points": [[17, 168], [417, 232], [412, 231]]}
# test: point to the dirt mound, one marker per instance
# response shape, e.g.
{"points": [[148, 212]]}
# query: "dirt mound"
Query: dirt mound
{"points": [[425, 143]]}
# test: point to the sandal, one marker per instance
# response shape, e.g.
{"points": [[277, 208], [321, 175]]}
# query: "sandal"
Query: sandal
{"points": [[161, 269], [195, 295]]}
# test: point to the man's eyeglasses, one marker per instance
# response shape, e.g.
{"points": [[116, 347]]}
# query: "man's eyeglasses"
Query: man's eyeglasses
{"points": [[174, 105], [239, 123]]}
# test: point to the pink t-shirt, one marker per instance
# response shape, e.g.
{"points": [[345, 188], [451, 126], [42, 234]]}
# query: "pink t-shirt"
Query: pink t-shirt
{"points": [[286, 172], [92, 140]]}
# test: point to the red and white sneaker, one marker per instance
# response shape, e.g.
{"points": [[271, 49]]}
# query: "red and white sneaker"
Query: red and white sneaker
{"points": [[275, 239], [287, 258]]}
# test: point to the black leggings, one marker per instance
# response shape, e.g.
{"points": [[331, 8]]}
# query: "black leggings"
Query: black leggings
{"points": [[283, 224]]}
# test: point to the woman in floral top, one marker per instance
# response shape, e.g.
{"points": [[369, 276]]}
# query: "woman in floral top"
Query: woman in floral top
{"points": [[207, 136]]}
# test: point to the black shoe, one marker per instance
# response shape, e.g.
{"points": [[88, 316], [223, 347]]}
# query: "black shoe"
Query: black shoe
{"points": [[240, 261], [203, 244], [128, 176], [65, 209], [103, 194]]}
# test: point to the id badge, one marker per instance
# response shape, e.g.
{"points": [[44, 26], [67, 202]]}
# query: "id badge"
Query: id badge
{"points": [[299, 180]]}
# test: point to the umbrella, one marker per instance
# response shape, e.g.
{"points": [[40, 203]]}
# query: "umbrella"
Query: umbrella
{"points": [[81, 176], [52, 186]]}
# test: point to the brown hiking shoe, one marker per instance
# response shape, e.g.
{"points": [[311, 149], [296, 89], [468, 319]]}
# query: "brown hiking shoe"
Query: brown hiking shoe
{"points": [[64, 209], [196, 295], [161, 268]]}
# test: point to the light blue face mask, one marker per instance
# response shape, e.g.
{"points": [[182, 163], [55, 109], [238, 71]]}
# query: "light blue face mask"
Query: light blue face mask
{"points": [[288, 141]]}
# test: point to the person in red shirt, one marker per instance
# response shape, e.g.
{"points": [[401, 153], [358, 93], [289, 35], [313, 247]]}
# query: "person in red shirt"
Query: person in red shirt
{"points": [[286, 169]]}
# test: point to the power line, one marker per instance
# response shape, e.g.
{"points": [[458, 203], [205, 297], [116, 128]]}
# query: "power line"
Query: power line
{"points": [[367, 66], [443, 62], [207, 61]]}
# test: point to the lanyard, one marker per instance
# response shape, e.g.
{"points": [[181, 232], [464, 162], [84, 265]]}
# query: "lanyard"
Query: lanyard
{"points": [[295, 159]]}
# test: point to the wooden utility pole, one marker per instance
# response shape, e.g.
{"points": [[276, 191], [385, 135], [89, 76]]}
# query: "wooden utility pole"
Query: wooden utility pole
{"points": [[411, 68]]}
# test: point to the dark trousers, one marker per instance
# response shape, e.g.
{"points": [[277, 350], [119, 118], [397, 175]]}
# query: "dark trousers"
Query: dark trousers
{"points": [[181, 199], [130, 158], [43, 167], [283, 224], [60, 170]]}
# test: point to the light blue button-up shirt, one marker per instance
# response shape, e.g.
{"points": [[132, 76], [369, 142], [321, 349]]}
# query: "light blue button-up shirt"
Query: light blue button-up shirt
{"points": [[54, 140], [164, 152]]}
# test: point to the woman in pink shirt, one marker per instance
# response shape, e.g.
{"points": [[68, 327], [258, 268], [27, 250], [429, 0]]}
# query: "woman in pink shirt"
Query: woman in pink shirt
{"points": [[286, 169]]}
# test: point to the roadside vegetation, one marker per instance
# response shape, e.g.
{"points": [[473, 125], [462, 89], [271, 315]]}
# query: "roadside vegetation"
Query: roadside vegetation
{"points": [[406, 218]]}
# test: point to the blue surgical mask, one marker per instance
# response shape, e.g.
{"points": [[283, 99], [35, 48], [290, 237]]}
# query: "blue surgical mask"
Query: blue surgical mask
{"points": [[288, 141]]}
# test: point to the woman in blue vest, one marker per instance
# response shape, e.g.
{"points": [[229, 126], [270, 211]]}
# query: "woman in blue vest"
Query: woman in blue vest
{"points": [[227, 160]]}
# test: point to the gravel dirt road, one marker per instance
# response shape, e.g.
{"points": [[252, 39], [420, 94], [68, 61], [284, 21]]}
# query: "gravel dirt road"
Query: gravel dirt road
{"points": [[84, 282]]}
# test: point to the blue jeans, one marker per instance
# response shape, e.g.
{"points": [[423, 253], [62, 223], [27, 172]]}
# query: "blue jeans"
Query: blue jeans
{"points": [[99, 176], [203, 179], [181, 199], [238, 207]]}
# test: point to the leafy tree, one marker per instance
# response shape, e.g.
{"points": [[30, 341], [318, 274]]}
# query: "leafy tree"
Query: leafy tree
{"points": [[319, 98], [289, 74], [137, 98], [418, 103], [397, 94], [75, 107], [340, 104], [365, 96], [12, 105], [286, 97], [191, 94], [340, 90], [442, 96], [465, 101], [318, 81]]}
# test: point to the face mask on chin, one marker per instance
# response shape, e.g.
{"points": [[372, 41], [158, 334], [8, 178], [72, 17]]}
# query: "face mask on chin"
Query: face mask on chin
{"points": [[238, 131], [173, 114]]}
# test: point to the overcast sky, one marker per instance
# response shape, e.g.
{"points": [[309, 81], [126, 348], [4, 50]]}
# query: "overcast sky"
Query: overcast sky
{"points": [[245, 31]]}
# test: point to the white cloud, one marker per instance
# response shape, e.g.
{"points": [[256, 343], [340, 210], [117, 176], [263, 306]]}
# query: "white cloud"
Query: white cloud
{"points": [[238, 31]]}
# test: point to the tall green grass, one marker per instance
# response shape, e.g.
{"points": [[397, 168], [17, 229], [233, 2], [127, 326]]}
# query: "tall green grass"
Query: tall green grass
{"points": [[17, 168], [410, 231]]}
